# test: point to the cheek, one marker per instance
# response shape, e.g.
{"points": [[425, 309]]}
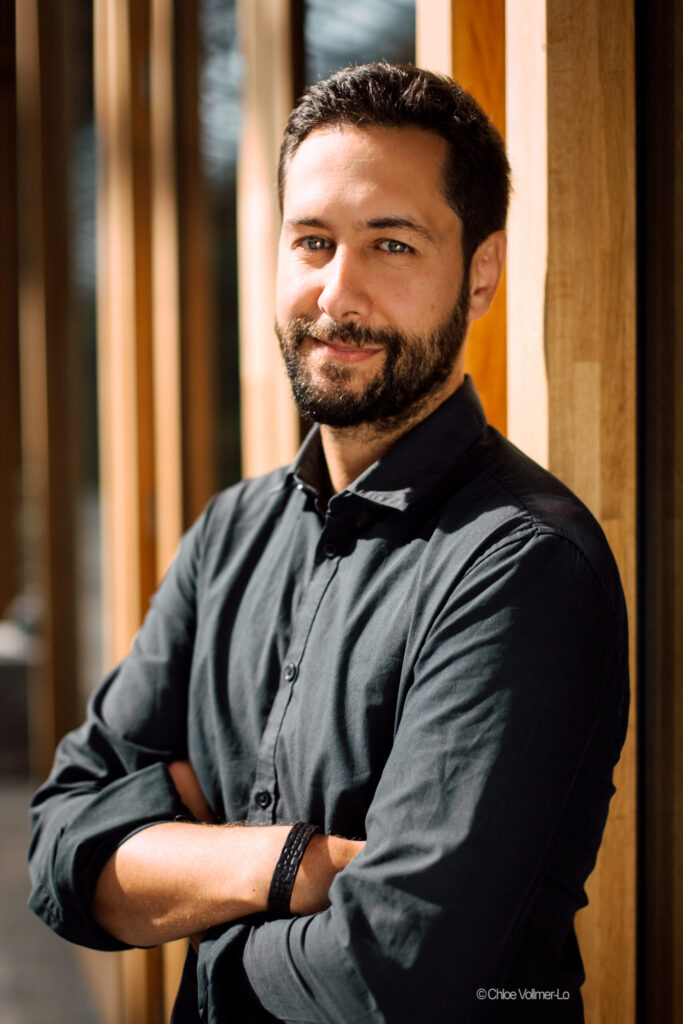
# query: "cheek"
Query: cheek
{"points": [[295, 291]]}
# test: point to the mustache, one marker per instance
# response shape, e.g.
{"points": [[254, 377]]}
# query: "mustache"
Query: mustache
{"points": [[299, 328]]}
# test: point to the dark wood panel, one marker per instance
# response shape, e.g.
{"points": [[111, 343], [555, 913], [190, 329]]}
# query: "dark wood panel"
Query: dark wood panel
{"points": [[9, 318], [48, 366], [660, 222]]}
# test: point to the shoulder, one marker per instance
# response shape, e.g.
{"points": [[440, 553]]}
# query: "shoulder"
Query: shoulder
{"points": [[510, 502], [249, 500]]}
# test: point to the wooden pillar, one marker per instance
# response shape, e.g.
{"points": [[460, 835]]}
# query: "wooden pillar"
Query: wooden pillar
{"points": [[124, 312], [660, 223], [195, 291], [527, 144], [168, 412], [126, 385], [9, 318], [270, 425], [478, 33], [47, 362], [590, 342], [570, 134], [156, 422], [466, 40]]}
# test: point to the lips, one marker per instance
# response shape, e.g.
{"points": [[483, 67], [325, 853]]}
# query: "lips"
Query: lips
{"points": [[344, 353]]}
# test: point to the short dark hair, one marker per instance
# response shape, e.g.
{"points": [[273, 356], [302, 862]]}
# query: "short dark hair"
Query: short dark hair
{"points": [[476, 178]]}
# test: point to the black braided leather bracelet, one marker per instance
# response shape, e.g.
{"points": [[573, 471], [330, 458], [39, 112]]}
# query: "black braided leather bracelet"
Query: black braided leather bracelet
{"points": [[287, 866]]}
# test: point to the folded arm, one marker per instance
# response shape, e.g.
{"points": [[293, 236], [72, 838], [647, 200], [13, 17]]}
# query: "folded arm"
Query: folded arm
{"points": [[176, 879]]}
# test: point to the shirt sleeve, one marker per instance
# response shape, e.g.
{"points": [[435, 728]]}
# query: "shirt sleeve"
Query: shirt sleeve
{"points": [[109, 778], [511, 725]]}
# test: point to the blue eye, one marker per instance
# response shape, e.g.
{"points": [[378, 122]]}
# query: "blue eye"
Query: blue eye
{"points": [[394, 246], [315, 243]]}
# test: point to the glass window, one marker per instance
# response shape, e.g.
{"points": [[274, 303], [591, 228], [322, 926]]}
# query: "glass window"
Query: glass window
{"points": [[356, 32]]}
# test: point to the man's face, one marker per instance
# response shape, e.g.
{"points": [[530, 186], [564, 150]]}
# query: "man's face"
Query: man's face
{"points": [[371, 307]]}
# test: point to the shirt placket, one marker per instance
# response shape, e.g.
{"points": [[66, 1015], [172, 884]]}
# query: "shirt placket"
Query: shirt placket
{"points": [[263, 803]]}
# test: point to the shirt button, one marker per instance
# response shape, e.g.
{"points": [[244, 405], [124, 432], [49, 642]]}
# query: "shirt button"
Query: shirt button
{"points": [[330, 551], [263, 798], [290, 672]]}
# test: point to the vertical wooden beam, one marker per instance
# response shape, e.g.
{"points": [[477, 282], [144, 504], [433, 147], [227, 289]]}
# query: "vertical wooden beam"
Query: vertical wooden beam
{"points": [[125, 371], [434, 35], [478, 29], [196, 298], [591, 357], [660, 222], [168, 413], [124, 318], [48, 374], [475, 32], [526, 102], [270, 429], [587, 430], [9, 318]]}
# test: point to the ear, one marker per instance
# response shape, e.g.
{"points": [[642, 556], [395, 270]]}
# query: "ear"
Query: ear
{"points": [[485, 270]]}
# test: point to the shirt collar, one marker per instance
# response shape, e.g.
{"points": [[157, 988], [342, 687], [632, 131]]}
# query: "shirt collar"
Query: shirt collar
{"points": [[414, 465]]}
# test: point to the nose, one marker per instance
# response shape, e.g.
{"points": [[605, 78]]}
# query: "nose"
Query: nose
{"points": [[345, 293]]}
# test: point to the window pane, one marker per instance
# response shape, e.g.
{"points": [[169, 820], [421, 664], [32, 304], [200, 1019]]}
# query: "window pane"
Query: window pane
{"points": [[356, 32]]}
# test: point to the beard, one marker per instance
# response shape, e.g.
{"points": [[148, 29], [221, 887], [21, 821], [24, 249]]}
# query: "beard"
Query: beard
{"points": [[414, 369]]}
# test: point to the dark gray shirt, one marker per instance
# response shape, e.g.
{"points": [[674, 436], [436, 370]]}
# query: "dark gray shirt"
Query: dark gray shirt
{"points": [[434, 660]]}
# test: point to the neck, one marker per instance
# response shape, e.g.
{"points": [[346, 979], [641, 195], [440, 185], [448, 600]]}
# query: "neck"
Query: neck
{"points": [[349, 451]]}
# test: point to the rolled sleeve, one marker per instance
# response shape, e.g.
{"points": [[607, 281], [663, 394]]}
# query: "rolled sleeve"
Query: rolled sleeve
{"points": [[505, 745], [109, 778]]}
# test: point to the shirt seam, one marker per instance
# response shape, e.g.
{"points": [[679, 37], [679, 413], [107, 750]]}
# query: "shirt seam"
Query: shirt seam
{"points": [[536, 528]]}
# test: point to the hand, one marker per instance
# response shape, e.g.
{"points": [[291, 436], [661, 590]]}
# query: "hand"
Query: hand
{"points": [[324, 858], [190, 792]]}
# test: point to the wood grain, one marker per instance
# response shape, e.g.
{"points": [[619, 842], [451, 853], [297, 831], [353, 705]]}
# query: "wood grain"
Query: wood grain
{"points": [[9, 320], [128, 479], [660, 51], [591, 359], [270, 424], [478, 64], [48, 371]]}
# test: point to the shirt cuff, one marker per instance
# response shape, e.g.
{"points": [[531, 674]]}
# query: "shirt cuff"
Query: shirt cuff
{"points": [[66, 874]]}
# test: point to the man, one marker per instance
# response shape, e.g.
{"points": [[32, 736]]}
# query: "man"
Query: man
{"points": [[413, 638]]}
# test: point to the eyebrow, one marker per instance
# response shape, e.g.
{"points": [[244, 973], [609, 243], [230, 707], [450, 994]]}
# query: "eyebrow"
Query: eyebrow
{"points": [[383, 223], [377, 223], [306, 222]]}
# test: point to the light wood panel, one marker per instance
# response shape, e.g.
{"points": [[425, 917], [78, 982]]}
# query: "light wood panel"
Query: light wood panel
{"points": [[124, 304], [591, 358], [475, 30], [128, 987], [434, 35], [526, 117], [168, 412], [582, 421], [270, 424], [155, 377]]}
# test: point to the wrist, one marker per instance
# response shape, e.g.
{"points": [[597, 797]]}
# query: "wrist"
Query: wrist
{"points": [[287, 867], [262, 848], [324, 858]]}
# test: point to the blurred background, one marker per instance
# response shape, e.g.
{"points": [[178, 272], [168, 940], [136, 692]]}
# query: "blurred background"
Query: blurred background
{"points": [[139, 373]]}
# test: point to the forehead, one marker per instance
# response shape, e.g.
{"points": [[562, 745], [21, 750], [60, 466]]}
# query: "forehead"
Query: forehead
{"points": [[353, 167]]}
